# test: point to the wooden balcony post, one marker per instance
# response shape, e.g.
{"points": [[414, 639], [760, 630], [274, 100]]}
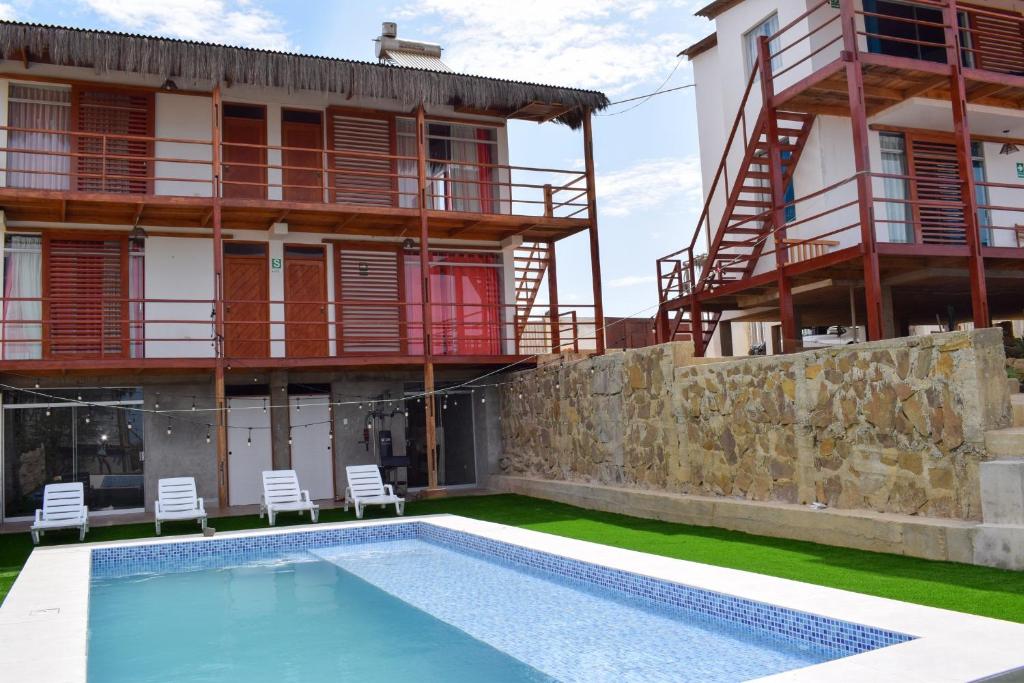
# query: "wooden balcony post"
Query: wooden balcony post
{"points": [[556, 337], [962, 131], [428, 342], [549, 202], [219, 399], [862, 165], [777, 187], [595, 250], [696, 326]]}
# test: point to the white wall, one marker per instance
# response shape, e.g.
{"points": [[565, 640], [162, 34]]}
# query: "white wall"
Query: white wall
{"points": [[179, 269], [183, 118]]}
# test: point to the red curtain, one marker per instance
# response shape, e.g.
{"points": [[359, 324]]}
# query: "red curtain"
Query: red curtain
{"points": [[466, 294]]}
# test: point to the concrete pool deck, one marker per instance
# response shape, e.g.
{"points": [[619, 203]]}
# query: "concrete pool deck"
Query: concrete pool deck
{"points": [[44, 621]]}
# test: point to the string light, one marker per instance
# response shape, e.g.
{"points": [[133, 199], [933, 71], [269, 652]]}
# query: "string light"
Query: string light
{"points": [[264, 405], [289, 436], [37, 385], [88, 416], [298, 405], [207, 433], [129, 423], [193, 404], [156, 403], [47, 411], [169, 430], [248, 441], [103, 437]]}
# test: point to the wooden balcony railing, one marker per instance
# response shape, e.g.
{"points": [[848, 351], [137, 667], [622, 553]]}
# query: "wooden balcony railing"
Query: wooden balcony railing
{"points": [[83, 164], [118, 328]]}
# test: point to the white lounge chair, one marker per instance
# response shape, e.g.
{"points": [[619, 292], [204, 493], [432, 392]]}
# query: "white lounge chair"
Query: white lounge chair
{"points": [[281, 494], [365, 487], [63, 508], [177, 500]]}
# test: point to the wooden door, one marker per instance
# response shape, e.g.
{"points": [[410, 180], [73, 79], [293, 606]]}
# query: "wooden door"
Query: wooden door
{"points": [[361, 169], [245, 152], [246, 301], [303, 170], [369, 289], [86, 284], [116, 155], [305, 301], [937, 190]]}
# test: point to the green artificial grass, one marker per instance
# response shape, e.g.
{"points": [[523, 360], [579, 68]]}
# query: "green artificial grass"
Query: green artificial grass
{"points": [[965, 588]]}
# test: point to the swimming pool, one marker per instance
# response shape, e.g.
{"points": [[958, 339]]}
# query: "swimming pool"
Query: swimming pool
{"points": [[446, 598]]}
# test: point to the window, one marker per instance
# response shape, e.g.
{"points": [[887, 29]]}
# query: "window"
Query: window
{"points": [[894, 163], [460, 166], [51, 441], [465, 289], [751, 38], [31, 109], [981, 192], [915, 31], [23, 307]]}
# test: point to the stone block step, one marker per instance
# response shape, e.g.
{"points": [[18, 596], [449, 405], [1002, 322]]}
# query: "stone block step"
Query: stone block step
{"points": [[1014, 385], [1005, 443], [1017, 406]]}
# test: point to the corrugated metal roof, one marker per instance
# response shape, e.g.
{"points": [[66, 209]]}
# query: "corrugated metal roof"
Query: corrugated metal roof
{"points": [[416, 61]]}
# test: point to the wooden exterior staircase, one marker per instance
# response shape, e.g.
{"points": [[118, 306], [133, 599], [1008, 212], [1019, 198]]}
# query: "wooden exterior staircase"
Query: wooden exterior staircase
{"points": [[531, 263], [738, 239], [745, 224]]}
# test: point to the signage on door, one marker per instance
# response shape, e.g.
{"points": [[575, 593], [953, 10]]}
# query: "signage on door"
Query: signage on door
{"points": [[1020, 169], [275, 265]]}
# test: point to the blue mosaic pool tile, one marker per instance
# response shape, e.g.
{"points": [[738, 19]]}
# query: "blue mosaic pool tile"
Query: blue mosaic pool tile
{"points": [[840, 637]]}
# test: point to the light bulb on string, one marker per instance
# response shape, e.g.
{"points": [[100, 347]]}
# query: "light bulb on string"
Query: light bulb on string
{"points": [[289, 437], [193, 404], [156, 403], [129, 423], [88, 416], [298, 404], [207, 433], [47, 411], [103, 437], [248, 441], [264, 405], [37, 384], [169, 430]]}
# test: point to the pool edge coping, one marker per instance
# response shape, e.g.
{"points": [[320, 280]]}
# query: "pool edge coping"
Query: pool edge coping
{"points": [[948, 646]]}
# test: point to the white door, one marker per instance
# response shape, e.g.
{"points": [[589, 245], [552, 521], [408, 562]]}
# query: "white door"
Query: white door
{"points": [[312, 457], [246, 462]]}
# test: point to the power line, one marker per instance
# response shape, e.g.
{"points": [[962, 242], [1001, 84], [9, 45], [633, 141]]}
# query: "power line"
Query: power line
{"points": [[648, 96], [660, 90]]}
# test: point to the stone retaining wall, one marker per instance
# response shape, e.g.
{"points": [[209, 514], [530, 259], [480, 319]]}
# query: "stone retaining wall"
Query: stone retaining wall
{"points": [[891, 426]]}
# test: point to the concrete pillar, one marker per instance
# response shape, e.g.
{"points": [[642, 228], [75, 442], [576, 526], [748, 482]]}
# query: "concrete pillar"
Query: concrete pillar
{"points": [[280, 421], [888, 313], [999, 540]]}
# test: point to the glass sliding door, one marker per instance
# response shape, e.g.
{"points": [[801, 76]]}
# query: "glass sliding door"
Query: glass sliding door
{"points": [[896, 187], [95, 442]]}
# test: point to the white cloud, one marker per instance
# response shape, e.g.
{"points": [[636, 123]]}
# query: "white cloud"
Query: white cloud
{"points": [[7, 11], [649, 184], [578, 43], [630, 281], [232, 22]]}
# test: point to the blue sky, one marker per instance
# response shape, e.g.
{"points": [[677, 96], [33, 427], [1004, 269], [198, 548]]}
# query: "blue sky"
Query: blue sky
{"points": [[648, 174]]}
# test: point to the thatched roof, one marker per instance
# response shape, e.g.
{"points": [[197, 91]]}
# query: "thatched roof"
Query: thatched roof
{"points": [[107, 51]]}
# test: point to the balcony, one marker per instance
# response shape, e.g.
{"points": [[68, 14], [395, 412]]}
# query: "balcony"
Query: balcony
{"points": [[57, 333], [59, 175], [905, 49]]}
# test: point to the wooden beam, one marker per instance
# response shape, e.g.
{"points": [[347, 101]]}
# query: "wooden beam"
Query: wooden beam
{"points": [[429, 415], [595, 247], [138, 214], [220, 400], [961, 126], [344, 223], [470, 225], [862, 164]]}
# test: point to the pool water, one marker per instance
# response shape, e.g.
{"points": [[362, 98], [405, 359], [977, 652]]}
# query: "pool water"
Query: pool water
{"points": [[302, 620], [406, 609]]}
